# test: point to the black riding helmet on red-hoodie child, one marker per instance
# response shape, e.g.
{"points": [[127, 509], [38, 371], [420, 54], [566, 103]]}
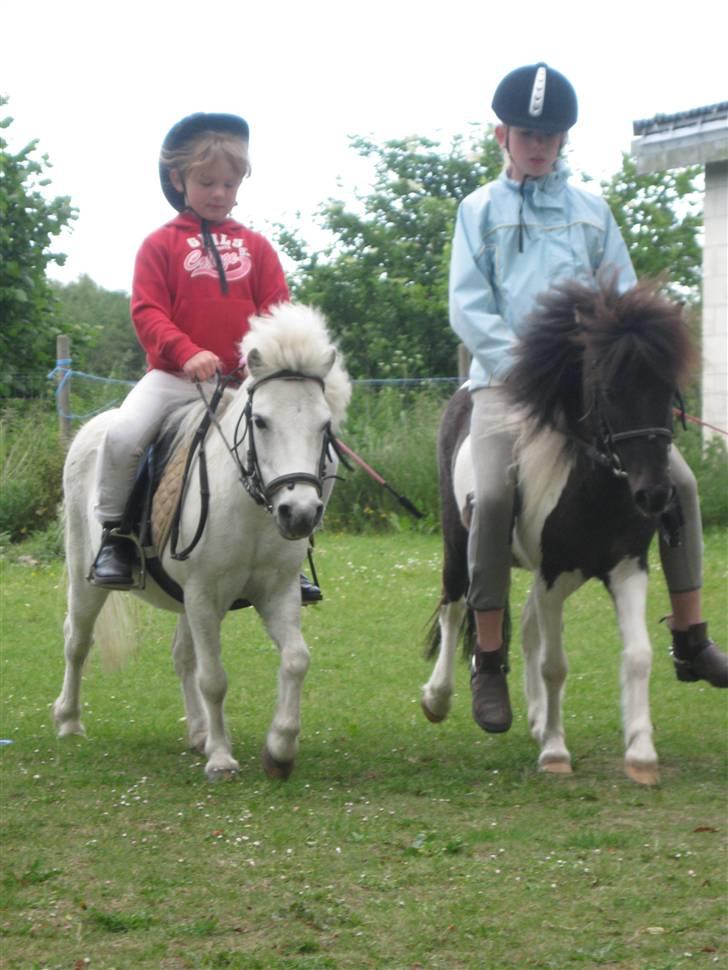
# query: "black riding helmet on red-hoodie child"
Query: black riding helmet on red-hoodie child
{"points": [[178, 135]]}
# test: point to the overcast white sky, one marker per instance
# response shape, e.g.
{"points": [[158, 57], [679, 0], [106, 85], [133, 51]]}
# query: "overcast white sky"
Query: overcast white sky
{"points": [[99, 85]]}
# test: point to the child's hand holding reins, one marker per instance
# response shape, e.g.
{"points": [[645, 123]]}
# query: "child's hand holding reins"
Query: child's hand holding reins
{"points": [[202, 366]]}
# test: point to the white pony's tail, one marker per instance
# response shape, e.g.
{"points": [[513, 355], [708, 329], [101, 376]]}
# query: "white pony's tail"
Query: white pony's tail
{"points": [[116, 632]]}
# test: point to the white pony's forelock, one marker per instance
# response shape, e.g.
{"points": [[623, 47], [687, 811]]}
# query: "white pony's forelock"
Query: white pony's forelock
{"points": [[294, 336]]}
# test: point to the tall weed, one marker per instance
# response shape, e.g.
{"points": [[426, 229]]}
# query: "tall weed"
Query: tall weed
{"points": [[710, 467], [394, 430], [31, 464]]}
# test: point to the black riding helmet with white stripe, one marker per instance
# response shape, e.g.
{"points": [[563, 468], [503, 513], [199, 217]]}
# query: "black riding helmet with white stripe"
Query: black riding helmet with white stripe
{"points": [[536, 97]]}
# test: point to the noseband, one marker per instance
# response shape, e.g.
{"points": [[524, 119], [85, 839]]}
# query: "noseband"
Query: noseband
{"points": [[602, 449]]}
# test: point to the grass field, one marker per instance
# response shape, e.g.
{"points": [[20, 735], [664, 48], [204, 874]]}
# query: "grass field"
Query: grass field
{"points": [[396, 843]]}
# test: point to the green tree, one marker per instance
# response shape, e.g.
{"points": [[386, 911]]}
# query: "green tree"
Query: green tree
{"points": [[660, 216], [28, 223], [110, 347], [383, 280]]}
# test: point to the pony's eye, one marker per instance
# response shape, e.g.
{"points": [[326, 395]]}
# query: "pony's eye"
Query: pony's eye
{"points": [[260, 423]]}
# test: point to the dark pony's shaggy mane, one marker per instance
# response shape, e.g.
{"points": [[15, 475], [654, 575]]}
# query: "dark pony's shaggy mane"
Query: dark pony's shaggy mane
{"points": [[580, 338]]}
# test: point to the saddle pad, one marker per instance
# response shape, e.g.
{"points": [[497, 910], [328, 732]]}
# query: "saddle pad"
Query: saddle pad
{"points": [[166, 498]]}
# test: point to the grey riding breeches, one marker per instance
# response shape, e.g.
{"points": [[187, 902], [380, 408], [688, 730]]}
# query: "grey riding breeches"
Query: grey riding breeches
{"points": [[683, 564], [493, 433]]}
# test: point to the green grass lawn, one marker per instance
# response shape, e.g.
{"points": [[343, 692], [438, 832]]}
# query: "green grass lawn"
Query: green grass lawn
{"points": [[396, 843]]}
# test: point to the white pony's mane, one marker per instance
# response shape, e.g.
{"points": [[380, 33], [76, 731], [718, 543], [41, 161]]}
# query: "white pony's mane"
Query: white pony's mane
{"points": [[293, 336]]}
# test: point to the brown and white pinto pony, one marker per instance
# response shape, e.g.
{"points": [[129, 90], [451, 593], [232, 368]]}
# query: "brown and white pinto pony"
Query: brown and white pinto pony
{"points": [[594, 378]]}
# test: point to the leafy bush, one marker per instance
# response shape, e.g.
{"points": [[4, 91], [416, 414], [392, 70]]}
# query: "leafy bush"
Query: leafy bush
{"points": [[31, 464], [394, 430], [710, 467]]}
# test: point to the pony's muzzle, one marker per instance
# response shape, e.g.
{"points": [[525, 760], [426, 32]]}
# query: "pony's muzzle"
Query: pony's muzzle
{"points": [[295, 517], [652, 501]]}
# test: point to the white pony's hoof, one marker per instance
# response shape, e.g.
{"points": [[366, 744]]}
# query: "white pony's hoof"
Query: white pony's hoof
{"points": [[537, 727], [71, 729], [222, 772], [197, 741], [66, 727], [278, 770], [642, 774]]}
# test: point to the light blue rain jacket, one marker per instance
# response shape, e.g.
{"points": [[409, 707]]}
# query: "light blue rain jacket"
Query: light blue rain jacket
{"points": [[568, 233]]}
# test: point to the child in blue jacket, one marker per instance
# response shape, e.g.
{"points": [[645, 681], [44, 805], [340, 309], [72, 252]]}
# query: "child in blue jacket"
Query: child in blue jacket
{"points": [[514, 239]]}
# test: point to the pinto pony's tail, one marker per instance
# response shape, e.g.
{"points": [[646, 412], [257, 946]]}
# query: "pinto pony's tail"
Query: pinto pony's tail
{"points": [[466, 633]]}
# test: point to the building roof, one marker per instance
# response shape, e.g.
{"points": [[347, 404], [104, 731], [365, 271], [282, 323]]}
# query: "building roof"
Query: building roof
{"points": [[696, 137], [712, 112]]}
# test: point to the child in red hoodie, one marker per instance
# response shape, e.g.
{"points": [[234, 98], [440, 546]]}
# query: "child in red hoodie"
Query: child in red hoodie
{"points": [[197, 281]]}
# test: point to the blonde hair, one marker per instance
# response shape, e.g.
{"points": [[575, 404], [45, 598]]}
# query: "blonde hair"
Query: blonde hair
{"points": [[207, 147]]}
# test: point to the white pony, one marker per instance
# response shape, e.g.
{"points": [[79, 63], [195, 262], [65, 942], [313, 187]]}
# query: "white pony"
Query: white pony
{"points": [[268, 453]]}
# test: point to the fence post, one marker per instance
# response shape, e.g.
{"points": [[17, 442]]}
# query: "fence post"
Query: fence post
{"points": [[63, 365], [464, 359]]}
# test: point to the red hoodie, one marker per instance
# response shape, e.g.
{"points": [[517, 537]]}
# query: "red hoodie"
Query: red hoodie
{"points": [[177, 305]]}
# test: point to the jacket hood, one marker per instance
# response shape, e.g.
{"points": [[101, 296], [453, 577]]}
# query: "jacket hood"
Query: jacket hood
{"points": [[191, 222], [547, 184]]}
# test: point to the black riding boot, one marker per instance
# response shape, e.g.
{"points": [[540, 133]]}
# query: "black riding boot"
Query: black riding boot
{"points": [[310, 592], [112, 567]]}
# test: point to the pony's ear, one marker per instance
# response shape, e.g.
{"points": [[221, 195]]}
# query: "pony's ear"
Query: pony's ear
{"points": [[329, 362], [254, 361]]}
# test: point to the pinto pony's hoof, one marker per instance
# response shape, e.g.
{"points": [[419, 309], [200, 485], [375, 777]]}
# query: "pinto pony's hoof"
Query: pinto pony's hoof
{"points": [[556, 767], [431, 716], [642, 774], [278, 770]]}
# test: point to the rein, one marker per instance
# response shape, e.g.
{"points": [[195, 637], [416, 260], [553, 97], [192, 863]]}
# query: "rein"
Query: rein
{"points": [[250, 473], [198, 445]]}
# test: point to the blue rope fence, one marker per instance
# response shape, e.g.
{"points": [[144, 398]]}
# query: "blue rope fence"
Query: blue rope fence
{"points": [[62, 373], [63, 369]]}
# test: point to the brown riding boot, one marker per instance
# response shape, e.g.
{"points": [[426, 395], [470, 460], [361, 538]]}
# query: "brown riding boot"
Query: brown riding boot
{"points": [[696, 657], [489, 687]]}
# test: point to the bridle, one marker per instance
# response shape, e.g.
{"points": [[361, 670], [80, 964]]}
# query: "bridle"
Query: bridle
{"points": [[601, 446], [251, 476]]}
